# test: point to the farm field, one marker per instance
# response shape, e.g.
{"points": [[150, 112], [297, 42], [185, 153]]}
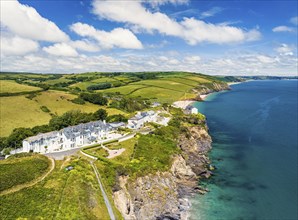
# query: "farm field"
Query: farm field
{"points": [[63, 194], [19, 111], [16, 171], [10, 86], [124, 90]]}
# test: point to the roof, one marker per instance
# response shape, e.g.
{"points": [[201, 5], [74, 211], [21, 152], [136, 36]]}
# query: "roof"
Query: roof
{"points": [[49, 135], [73, 131]]}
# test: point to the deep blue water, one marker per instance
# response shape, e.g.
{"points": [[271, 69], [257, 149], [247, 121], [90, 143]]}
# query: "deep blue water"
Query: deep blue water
{"points": [[254, 132]]}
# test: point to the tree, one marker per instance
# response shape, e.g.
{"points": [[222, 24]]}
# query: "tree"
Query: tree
{"points": [[100, 114]]}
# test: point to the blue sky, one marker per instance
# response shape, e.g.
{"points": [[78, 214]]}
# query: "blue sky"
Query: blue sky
{"points": [[212, 37]]}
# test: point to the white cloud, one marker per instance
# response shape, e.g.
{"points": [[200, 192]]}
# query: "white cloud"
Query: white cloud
{"points": [[192, 59], [294, 20], [192, 30], [285, 49], [156, 3], [14, 45], [283, 29], [85, 45], [26, 22], [61, 49], [118, 37], [213, 11]]}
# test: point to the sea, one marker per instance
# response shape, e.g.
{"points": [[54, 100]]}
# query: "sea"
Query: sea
{"points": [[254, 132]]}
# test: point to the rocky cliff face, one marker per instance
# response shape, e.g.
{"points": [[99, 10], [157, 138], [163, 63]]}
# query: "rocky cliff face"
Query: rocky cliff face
{"points": [[164, 195], [214, 87]]}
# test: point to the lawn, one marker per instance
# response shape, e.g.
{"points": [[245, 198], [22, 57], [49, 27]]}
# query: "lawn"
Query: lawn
{"points": [[16, 171], [19, 111], [63, 194], [10, 86]]}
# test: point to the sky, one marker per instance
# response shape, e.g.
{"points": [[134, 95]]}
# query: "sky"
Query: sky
{"points": [[210, 37]]}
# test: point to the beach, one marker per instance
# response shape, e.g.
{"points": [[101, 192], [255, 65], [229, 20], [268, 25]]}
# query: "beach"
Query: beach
{"points": [[182, 104]]}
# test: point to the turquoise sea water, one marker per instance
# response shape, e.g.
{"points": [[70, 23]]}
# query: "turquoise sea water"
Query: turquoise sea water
{"points": [[254, 131]]}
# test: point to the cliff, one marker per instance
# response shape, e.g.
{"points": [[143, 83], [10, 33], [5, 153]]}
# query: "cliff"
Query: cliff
{"points": [[164, 195]]}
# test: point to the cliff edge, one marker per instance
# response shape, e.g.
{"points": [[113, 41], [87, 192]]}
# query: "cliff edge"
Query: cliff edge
{"points": [[165, 195]]}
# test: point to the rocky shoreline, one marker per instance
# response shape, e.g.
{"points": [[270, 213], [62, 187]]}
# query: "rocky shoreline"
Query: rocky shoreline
{"points": [[165, 195]]}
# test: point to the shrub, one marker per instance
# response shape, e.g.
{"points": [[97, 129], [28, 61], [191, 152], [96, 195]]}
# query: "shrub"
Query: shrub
{"points": [[45, 109], [78, 101]]}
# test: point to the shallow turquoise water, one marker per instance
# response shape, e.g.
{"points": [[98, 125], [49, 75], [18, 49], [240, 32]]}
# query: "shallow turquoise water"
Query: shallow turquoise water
{"points": [[254, 132]]}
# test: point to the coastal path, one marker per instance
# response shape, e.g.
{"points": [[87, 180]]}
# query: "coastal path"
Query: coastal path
{"points": [[105, 197]]}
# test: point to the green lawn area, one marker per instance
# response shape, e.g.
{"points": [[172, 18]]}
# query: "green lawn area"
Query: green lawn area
{"points": [[11, 86], [124, 158], [62, 195], [18, 111], [16, 171]]}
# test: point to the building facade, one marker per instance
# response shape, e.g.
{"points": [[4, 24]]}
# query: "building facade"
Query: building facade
{"points": [[71, 137]]}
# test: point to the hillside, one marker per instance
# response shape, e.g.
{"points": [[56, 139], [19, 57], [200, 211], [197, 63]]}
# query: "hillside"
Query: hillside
{"points": [[28, 100]]}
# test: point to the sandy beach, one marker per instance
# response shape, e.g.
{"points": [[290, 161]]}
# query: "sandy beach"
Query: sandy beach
{"points": [[182, 104]]}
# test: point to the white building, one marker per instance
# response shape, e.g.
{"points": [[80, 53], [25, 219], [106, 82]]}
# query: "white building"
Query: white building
{"points": [[191, 110], [141, 118], [71, 137]]}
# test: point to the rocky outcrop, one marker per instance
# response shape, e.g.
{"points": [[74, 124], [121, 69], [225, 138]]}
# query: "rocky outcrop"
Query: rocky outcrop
{"points": [[210, 88], [164, 195]]}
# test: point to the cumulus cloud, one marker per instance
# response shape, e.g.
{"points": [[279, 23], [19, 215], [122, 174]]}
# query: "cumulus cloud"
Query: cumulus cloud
{"points": [[61, 49], [14, 45], [190, 29], [283, 29], [118, 37], [26, 22], [192, 59], [85, 45]]}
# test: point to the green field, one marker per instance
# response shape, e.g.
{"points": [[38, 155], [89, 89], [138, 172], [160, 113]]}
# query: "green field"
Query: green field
{"points": [[62, 195], [16, 171], [10, 86], [19, 111]]}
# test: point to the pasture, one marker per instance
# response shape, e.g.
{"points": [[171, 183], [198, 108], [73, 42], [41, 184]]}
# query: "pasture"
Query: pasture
{"points": [[10, 86], [19, 111]]}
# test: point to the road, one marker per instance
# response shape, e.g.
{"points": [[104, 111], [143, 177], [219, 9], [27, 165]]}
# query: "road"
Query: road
{"points": [[105, 197], [60, 155]]}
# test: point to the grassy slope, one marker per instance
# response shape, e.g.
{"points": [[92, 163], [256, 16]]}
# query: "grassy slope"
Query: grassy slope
{"points": [[11, 86], [62, 195], [15, 171], [18, 111]]}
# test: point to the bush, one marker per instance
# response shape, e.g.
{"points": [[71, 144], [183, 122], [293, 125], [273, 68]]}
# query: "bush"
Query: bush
{"points": [[99, 86], [45, 109], [94, 98], [78, 101]]}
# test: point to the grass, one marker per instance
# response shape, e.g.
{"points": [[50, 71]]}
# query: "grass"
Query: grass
{"points": [[124, 158], [97, 152], [18, 111], [62, 195], [16, 171], [10, 86], [124, 90], [161, 95]]}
